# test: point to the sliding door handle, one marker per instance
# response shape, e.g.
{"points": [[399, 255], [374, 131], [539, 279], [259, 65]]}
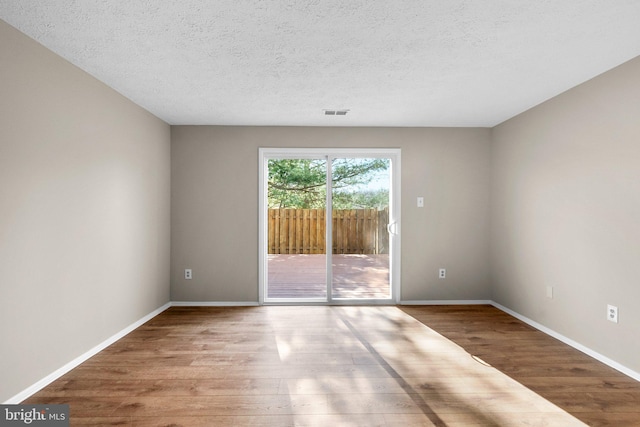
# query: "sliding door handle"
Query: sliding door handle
{"points": [[392, 228]]}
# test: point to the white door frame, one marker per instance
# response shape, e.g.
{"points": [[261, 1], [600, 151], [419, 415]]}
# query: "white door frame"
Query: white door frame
{"points": [[264, 154]]}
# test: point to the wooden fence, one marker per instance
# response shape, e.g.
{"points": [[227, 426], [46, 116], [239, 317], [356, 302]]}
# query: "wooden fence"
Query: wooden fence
{"points": [[302, 231]]}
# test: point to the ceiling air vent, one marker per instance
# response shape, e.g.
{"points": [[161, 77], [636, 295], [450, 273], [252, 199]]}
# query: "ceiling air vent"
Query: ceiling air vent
{"points": [[335, 112]]}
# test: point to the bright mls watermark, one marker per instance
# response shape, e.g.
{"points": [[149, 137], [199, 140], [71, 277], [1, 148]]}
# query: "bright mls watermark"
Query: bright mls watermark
{"points": [[34, 415]]}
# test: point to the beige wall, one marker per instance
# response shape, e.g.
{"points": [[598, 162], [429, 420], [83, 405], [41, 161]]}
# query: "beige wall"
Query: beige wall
{"points": [[566, 213], [84, 212], [214, 217]]}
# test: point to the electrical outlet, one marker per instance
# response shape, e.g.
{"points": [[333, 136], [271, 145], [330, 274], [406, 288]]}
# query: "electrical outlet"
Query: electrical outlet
{"points": [[420, 202], [188, 274], [612, 313], [550, 292], [442, 273]]}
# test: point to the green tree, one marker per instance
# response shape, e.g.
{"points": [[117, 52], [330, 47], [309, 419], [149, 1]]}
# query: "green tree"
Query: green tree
{"points": [[301, 183], [361, 199]]}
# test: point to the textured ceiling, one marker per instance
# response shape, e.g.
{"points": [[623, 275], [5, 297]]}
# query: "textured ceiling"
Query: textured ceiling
{"points": [[282, 62]]}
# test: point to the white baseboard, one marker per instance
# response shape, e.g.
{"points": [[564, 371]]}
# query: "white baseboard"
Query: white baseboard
{"points": [[214, 304], [82, 358], [447, 302], [604, 359]]}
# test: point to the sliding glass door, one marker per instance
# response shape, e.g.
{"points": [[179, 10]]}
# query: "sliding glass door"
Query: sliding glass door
{"points": [[360, 198], [296, 257], [329, 229]]}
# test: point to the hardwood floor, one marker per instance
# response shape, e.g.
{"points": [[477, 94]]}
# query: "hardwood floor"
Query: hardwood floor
{"points": [[351, 366]]}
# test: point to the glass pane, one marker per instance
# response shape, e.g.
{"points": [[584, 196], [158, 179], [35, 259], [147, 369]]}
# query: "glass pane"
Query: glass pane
{"points": [[360, 260], [296, 260]]}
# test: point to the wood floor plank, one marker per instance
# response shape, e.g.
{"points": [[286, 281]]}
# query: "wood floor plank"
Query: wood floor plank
{"points": [[263, 421], [354, 366], [484, 420], [170, 387], [102, 421]]}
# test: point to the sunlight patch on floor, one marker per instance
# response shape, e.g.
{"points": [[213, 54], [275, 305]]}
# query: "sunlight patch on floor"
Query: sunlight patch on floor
{"points": [[387, 362]]}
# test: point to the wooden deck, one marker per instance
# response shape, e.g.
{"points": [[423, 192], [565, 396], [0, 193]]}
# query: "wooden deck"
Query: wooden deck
{"points": [[304, 276]]}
